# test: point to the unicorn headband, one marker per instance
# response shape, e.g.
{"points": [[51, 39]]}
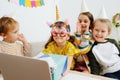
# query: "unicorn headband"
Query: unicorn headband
{"points": [[60, 24]]}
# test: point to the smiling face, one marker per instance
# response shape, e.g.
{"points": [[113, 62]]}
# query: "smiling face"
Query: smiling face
{"points": [[84, 22], [100, 31], [60, 35]]}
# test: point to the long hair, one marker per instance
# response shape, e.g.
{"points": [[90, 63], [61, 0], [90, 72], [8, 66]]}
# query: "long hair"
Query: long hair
{"points": [[71, 39]]}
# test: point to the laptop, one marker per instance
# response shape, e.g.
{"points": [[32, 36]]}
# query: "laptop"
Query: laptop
{"points": [[23, 68]]}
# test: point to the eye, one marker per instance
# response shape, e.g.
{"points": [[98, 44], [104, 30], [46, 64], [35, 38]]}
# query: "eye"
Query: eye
{"points": [[62, 33], [80, 21], [15, 32], [103, 31], [85, 21], [96, 30], [53, 32]]}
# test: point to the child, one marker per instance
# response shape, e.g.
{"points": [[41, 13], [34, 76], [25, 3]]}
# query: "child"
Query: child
{"points": [[9, 30], [83, 40], [59, 44], [104, 55]]}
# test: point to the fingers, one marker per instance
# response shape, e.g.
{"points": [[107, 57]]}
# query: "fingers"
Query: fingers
{"points": [[21, 37], [78, 27]]}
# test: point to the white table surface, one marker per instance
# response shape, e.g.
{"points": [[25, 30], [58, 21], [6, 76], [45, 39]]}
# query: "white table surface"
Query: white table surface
{"points": [[83, 76], [79, 76]]}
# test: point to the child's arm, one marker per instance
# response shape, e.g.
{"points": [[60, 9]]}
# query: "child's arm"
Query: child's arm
{"points": [[26, 45], [115, 43], [70, 58], [93, 64], [83, 42], [26, 48]]}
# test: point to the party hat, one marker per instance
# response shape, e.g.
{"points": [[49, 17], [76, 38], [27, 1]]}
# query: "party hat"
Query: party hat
{"points": [[102, 13], [57, 9], [84, 7], [57, 13]]}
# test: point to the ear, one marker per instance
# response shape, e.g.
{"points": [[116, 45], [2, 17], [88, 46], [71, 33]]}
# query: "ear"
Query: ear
{"points": [[109, 33], [3, 35]]}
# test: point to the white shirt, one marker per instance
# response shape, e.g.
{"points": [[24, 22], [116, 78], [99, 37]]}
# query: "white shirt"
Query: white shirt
{"points": [[107, 56]]}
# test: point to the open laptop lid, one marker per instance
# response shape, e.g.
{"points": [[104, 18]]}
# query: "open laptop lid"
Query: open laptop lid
{"points": [[23, 68]]}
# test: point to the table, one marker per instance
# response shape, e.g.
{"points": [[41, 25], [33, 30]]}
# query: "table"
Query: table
{"points": [[75, 75]]}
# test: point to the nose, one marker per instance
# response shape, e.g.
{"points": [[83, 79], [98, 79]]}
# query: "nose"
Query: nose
{"points": [[82, 22], [58, 35], [18, 34], [99, 33]]}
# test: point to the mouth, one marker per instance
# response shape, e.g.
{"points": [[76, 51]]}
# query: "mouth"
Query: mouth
{"points": [[83, 26], [98, 37]]}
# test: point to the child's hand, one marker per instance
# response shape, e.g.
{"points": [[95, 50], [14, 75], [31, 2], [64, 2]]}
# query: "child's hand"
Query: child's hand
{"points": [[22, 38], [78, 28]]}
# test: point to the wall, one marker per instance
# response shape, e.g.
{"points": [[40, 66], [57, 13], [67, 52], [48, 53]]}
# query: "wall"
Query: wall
{"points": [[33, 20], [72, 8]]}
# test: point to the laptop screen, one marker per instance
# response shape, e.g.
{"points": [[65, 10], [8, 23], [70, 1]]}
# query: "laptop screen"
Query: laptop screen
{"points": [[23, 68]]}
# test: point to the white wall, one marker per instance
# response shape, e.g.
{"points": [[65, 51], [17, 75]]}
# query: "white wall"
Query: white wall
{"points": [[72, 8], [33, 20]]}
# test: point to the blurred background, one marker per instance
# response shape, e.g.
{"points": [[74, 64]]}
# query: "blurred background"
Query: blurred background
{"points": [[33, 19]]}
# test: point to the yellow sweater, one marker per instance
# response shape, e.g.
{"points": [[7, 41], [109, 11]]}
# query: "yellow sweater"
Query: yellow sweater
{"points": [[69, 49]]}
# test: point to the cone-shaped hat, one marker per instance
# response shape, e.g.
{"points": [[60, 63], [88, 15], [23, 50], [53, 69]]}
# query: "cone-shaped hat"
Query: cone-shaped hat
{"points": [[102, 13], [84, 7]]}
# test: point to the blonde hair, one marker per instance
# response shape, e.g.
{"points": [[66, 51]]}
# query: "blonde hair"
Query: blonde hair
{"points": [[7, 24], [106, 21]]}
